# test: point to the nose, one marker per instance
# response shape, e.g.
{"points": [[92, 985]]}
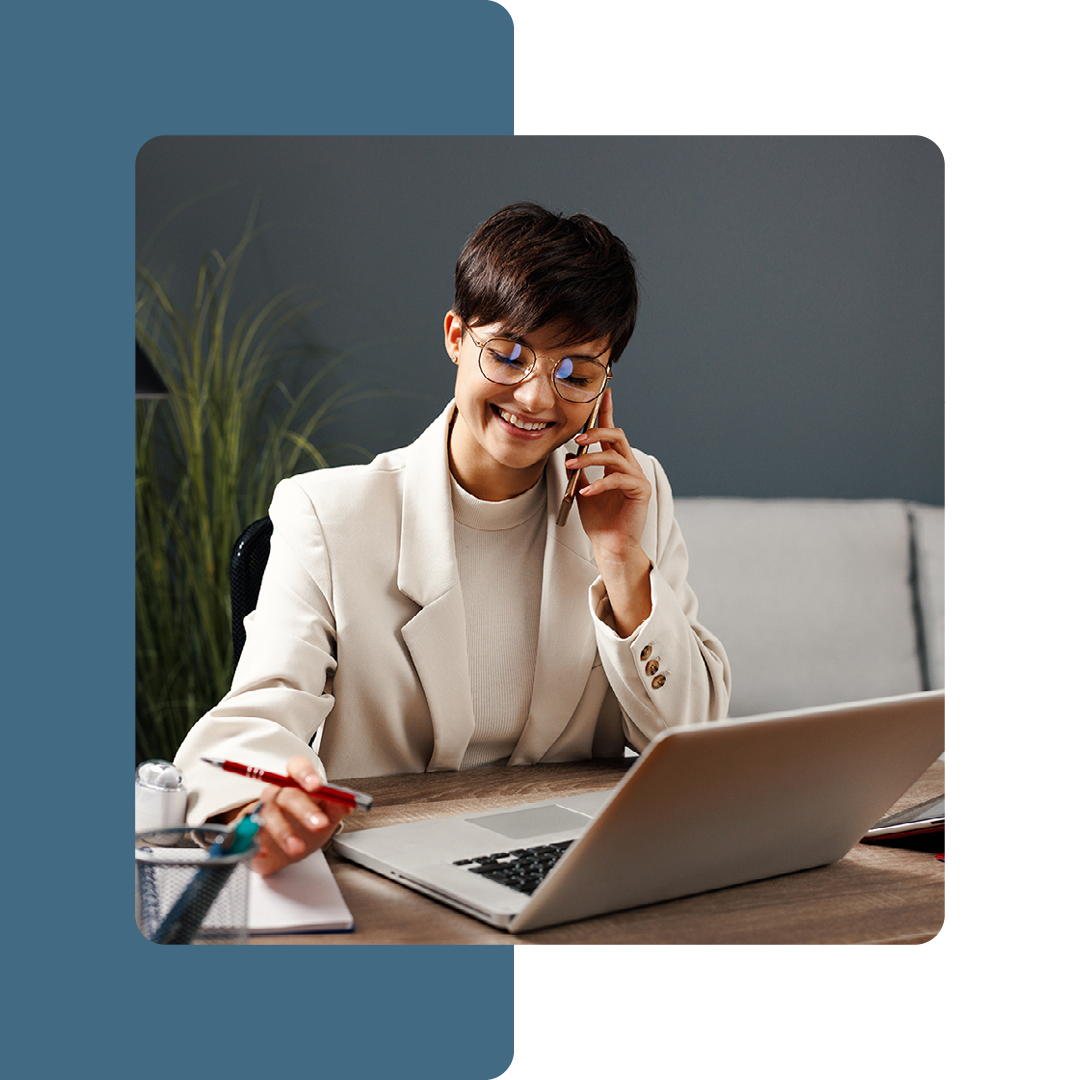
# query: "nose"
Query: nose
{"points": [[537, 392]]}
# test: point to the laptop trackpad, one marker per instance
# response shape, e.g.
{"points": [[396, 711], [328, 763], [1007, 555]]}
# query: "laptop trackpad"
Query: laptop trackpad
{"points": [[532, 821]]}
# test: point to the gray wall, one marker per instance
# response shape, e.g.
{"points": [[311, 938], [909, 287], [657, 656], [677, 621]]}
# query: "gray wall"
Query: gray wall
{"points": [[791, 335]]}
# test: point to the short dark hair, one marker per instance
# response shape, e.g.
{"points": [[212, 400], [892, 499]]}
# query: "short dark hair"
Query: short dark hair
{"points": [[527, 267]]}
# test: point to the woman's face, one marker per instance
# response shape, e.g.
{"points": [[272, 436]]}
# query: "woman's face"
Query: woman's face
{"points": [[503, 434]]}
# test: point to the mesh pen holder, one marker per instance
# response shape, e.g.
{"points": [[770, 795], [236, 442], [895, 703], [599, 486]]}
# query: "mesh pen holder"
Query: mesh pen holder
{"points": [[185, 896]]}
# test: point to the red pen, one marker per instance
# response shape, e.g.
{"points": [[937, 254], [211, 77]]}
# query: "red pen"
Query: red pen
{"points": [[356, 799]]}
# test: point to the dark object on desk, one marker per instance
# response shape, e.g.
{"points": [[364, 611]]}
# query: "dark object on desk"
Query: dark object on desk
{"points": [[246, 567], [928, 840], [919, 828]]}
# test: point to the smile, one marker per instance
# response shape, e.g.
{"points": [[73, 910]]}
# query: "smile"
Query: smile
{"points": [[521, 424]]}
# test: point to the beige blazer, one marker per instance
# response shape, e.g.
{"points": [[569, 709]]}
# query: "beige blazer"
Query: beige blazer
{"points": [[360, 632]]}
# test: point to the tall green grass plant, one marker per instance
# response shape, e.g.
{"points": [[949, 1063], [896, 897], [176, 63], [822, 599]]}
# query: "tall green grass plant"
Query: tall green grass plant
{"points": [[207, 459]]}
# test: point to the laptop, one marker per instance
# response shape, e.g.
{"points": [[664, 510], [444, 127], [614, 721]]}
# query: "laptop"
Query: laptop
{"points": [[704, 807]]}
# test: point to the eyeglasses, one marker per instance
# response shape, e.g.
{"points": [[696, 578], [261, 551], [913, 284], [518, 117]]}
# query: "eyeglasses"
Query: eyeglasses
{"points": [[576, 378]]}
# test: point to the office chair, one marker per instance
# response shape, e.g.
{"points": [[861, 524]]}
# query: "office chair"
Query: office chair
{"points": [[246, 567]]}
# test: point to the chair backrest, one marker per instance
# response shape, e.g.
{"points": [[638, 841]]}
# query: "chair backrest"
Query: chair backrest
{"points": [[246, 567]]}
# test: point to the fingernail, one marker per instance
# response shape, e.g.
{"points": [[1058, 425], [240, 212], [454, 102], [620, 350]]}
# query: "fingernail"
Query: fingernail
{"points": [[316, 821], [295, 845]]}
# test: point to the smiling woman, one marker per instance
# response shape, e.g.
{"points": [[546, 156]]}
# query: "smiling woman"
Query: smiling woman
{"points": [[509, 426], [427, 612]]}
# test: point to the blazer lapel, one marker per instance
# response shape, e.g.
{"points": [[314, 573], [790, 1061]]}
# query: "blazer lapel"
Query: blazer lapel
{"points": [[435, 636], [427, 574], [566, 648]]}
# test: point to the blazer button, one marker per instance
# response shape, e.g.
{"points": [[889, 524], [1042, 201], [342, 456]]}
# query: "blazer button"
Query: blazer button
{"points": [[652, 667], [659, 681], [646, 653]]}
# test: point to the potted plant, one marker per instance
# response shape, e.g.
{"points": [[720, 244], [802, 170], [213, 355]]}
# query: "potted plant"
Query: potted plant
{"points": [[243, 410]]}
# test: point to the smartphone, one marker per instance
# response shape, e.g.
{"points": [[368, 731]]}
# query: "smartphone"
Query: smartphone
{"points": [[921, 827], [572, 484]]}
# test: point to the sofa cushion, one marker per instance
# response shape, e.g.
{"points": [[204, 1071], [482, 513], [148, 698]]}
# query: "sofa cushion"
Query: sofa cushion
{"points": [[928, 523], [811, 597]]}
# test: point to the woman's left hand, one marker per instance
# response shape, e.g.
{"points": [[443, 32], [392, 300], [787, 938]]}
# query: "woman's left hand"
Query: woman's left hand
{"points": [[612, 508], [613, 511]]}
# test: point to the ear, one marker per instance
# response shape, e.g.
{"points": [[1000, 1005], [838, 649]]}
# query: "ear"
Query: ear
{"points": [[452, 333]]}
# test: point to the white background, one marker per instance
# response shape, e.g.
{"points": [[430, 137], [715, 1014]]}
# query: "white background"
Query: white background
{"points": [[996, 90]]}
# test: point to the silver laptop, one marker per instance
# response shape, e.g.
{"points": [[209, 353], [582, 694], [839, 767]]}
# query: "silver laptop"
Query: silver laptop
{"points": [[704, 807]]}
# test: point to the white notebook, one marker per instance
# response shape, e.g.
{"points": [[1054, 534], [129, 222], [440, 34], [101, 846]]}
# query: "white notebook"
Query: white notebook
{"points": [[299, 897]]}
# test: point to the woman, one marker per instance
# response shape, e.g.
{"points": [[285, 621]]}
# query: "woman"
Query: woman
{"points": [[427, 611]]}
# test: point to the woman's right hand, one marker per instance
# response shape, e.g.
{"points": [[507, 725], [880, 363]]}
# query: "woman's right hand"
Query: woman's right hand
{"points": [[294, 823]]}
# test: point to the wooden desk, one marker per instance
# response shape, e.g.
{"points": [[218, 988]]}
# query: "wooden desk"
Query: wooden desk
{"points": [[873, 895]]}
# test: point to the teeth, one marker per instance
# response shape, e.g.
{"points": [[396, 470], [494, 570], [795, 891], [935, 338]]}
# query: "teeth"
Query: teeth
{"points": [[521, 423]]}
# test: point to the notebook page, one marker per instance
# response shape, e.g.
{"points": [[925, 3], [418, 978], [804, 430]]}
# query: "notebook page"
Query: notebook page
{"points": [[300, 896]]}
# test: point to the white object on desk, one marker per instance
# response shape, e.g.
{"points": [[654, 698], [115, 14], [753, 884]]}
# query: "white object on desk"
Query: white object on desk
{"points": [[160, 796]]}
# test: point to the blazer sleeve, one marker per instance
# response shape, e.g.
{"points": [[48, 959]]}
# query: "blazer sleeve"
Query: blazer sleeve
{"points": [[282, 688], [671, 671]]}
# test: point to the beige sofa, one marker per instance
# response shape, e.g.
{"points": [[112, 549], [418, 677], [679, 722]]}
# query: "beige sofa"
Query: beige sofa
{"points": [[819, 601]]}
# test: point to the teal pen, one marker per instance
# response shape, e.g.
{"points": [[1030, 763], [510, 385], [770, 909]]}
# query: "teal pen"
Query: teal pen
{"points": [[187, 914], [242, 837]]}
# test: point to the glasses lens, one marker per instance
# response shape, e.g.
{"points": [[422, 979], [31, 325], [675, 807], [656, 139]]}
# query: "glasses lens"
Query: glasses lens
{"points": [[509, 362], [506, 362], [580, 380]]}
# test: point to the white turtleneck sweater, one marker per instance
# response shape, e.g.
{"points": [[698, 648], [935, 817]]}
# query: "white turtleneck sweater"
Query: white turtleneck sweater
{"points": [[500, 557]]}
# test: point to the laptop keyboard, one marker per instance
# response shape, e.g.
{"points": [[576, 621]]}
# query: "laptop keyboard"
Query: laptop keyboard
{"points": [[522, 869]]}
